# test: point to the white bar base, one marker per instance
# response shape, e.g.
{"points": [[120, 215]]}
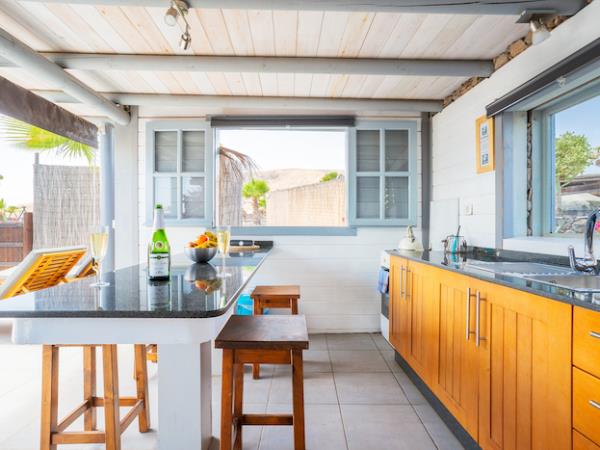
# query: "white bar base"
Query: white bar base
{"points": [[185, 414]]}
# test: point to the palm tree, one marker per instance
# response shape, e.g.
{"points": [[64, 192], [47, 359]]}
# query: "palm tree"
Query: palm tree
{"points": [[256, 190], [30, 137]]}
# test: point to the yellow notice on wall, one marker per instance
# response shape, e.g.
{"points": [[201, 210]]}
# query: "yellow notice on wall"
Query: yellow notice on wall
{"points": [[485, 144]]}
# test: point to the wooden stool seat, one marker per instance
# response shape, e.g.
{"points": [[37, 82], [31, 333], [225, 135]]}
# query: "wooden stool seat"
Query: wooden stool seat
{"points": [[273, 297], [260, 339], [53, 431]]}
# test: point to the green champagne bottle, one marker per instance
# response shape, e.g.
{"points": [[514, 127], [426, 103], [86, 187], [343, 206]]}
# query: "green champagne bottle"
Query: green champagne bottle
{"points": [[159, 251]]}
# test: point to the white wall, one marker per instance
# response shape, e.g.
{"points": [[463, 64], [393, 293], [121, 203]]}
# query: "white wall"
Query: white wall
{"points": [[337, 274], [453, 142]]}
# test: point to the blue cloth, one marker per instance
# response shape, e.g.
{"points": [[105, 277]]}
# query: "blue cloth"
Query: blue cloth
{"points": [[245, 306], [383, 282]]}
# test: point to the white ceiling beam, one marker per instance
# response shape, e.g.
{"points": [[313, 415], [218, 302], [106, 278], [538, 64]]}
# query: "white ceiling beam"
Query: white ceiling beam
{"points": [[361, 66], [44, 70], [253, 102], [501, 7]]}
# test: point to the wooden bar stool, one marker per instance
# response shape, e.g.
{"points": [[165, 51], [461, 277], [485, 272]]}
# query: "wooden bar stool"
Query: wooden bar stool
{"points": [[260, 339], [53, 431], [273, 297]]}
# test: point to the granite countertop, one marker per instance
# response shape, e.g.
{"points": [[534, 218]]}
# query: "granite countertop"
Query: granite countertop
{"points": [[467, 265], [194, 291]]}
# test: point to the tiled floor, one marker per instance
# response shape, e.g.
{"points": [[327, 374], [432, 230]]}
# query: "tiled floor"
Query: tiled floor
{"points": [[356, 398]]}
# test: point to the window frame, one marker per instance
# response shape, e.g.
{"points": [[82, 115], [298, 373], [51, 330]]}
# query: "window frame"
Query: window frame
{"points": [[292, 230], [382, 173], [180, 126], [546, 144]]}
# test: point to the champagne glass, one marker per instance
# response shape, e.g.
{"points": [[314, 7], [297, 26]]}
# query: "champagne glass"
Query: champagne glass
{"points": [[98, 248], [223, 239]]}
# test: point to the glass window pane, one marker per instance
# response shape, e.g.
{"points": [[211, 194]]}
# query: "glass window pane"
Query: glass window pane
{"points": [[367, 197], [396, 150], [193, 151], [396, 197], [165, 151], [367, 150], [165, 193], [193, 197]]}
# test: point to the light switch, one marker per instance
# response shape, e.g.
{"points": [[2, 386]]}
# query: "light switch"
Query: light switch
{"points": [[468, 209]]}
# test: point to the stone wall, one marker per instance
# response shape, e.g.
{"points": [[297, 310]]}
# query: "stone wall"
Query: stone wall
{"points": [[321, 204]]}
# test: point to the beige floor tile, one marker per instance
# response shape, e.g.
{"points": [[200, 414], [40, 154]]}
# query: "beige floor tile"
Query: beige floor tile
{"points": [[359, 341], [381, 342], [369, 388], [437, 429], [324, 430], [357, 361], [314, 361], [384, 427], [319, 388], [413, 395], [317, 342]]}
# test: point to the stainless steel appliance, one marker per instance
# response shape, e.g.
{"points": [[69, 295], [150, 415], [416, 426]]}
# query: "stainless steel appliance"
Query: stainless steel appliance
{"points": [[385, 299]]}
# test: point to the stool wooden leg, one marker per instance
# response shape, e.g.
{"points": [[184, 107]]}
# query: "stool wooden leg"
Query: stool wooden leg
{"points": [[141, 382], [226, 399], [258, 310], [89, 387], [49, 420], [298, 399], [238, 403], [111, 397], [294, 303]]}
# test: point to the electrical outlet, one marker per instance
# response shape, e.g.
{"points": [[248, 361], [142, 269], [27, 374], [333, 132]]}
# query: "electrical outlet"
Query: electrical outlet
{"points": [[468, 209]]}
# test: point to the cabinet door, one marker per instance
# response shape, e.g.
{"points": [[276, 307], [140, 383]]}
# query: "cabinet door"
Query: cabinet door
{"points": [[525, 370], [455, 370], [419, 307], [397, 303]]}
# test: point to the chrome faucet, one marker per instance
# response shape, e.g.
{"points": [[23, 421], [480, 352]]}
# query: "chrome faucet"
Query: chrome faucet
{"points": [[588, 263]]}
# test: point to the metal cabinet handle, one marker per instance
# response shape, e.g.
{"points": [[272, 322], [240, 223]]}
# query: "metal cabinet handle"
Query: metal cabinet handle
{"points": [[594, 334], [468, 319], [401, 282], [478, 337], [594, 404], [407, 286]]}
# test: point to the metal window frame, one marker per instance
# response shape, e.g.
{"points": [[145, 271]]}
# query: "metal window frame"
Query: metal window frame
{"points": [[180, 126], [411, 174]]}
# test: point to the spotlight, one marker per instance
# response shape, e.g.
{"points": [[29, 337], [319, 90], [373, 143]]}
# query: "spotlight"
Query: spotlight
{"points": [[171, 16], [539, 32], [185, 41]]}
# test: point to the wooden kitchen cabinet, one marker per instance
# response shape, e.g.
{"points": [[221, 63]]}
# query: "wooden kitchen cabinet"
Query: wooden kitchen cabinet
{"points": [[524, 370], [419, 310], [455, 373]]}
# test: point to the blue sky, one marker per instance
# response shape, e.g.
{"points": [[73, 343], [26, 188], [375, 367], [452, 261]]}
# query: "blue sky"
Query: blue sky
{"points": [[581, 119]]}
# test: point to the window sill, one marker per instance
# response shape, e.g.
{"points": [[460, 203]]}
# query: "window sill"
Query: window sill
{"points": [[547, 245], [293, 231]]}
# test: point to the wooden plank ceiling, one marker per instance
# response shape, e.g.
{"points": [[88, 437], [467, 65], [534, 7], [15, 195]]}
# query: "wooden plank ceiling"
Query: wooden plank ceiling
{"points": [[55, 27]]}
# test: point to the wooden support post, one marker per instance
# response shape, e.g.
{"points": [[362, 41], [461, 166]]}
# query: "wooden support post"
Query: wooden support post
{"points": [[238, 403], [27, 233], [89, 387]]}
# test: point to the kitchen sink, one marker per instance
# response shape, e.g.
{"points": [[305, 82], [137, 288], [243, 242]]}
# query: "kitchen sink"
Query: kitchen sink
{"points": [[578, 283], [519, 268]]}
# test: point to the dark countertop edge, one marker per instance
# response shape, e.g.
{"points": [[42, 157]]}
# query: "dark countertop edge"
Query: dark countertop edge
{"points": [[138, 314], [489, 279]]}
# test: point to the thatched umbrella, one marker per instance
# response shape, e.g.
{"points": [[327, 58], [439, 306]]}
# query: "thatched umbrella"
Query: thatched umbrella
{"points": [[233, 166]]}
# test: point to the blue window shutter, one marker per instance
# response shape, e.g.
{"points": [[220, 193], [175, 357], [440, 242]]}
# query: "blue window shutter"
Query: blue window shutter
{"points": [[177, 167], [382, 173]]}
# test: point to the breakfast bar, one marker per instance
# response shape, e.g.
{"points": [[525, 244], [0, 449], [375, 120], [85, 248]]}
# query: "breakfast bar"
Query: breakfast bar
{"points": [[181, 315]]}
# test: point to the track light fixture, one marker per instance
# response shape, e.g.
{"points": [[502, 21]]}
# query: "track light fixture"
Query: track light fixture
{"points": [[180, 9]]}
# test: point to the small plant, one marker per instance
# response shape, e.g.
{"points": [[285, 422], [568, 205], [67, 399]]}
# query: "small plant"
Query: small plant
{"points": [[256, 190], [329, 176]]}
